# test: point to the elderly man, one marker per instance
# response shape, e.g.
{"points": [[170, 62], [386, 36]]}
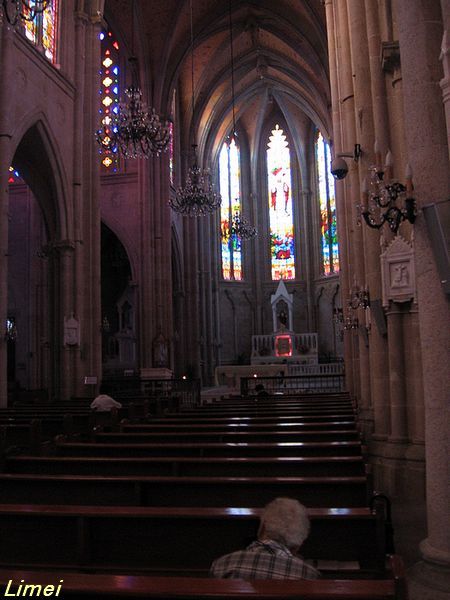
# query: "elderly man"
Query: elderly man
{"points": [[283, 528]]}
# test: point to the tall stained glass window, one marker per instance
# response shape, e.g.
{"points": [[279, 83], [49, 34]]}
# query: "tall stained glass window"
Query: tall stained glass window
{"points": [[171, 141], [42, 30], [109, 96], [281, 222], [229, 181], [327, 206]]}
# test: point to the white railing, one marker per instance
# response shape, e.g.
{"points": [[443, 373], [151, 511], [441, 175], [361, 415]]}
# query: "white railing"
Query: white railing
{"points": [[321, 369]]}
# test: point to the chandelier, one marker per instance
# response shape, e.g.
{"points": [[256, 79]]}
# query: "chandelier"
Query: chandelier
{"points": [[23, 9], [135, 131], [239, 227], [197, 198], [387, 200]]}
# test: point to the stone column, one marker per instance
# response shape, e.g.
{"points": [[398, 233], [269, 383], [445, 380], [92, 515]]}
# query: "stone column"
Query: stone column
{"points": [[445, 81], [335, 59], [5, 161], [375, 128], [420, 35], [398, 429]]}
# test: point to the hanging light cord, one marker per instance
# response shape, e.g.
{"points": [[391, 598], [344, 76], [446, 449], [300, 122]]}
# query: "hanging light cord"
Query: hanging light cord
{"points": [[232, 68]]}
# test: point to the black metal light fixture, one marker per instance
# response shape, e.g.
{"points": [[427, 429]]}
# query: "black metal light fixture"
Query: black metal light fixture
{"points": [[387, 200], [198, 197], [25, 10]]}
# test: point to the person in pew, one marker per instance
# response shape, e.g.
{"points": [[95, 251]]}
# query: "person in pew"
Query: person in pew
{"points": [[103, 402], [283, 527], [261, 390]]}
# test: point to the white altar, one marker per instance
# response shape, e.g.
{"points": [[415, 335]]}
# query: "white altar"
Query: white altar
{"points": [[283, 346]]}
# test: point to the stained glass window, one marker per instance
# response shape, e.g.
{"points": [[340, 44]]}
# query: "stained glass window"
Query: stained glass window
{"points": [[229, 182], [171, 141], [327, 207], [109, 96], [282, 250], [42, 30]]}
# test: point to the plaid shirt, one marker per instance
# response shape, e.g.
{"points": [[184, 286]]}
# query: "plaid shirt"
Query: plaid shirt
{"points": [[264, 559]]}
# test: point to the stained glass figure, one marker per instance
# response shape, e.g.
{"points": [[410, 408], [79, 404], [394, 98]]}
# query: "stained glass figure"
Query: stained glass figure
{"points": [[42, 30], [109, 97], [229, 182], [282, 245], [327, 207]]}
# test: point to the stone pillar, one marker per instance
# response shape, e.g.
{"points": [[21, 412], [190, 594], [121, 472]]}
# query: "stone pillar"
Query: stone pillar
{"points": [[375, 128], [5, 161], [445, 81], [398, 429], [420, 35]]}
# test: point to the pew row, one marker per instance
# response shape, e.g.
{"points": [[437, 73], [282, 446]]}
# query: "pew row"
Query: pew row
{"points": [[346, 448], [195, 491], [93, 587], [304, 466], [317, 435], [180, 541]]}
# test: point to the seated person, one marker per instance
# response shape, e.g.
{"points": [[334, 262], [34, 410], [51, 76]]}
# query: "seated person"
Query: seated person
{"points": [[283, 528], [260, 390], [103, 402]]}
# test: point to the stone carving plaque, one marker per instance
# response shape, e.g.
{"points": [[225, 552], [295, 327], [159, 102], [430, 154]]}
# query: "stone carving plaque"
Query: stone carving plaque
{"points": [[397, 272]]}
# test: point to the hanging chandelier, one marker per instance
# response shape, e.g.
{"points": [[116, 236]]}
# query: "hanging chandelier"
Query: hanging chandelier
{"points": [[134, 131], [239, 227], [23, 9], [197, 198]]}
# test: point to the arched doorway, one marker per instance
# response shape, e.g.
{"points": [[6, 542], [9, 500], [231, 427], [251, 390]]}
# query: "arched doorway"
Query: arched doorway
{"points": [[119, 312]]}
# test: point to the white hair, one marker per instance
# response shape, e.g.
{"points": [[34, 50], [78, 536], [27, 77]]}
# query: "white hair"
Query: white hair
{"points": [[285, 520]]}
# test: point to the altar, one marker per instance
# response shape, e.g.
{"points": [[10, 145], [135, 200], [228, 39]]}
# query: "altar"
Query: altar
{"points": [[284, 346]]}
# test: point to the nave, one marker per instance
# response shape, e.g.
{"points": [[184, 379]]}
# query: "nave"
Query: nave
{"points": [[137, 505]]}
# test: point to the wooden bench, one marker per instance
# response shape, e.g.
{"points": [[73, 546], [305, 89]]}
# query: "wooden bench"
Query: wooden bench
{"points": [[191, 491], [349, 448], [168, 437], [174, 540], [179, 426], [339, 466], [94, 587], [174, 418]]}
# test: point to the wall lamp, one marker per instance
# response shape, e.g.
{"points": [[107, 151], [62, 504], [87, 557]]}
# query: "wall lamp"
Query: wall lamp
{"points": [[386, 200]]}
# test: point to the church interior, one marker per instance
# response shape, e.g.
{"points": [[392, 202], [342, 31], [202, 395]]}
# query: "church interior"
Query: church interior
{"points": [[200, 200]]}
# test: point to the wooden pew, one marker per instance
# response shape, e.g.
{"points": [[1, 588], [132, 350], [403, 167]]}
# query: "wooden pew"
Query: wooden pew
{"points": [[317, 435], [192, 491], [332, 448], [174, 540], [112, 587], [339, 466], [174, 418], [248, 425]]}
